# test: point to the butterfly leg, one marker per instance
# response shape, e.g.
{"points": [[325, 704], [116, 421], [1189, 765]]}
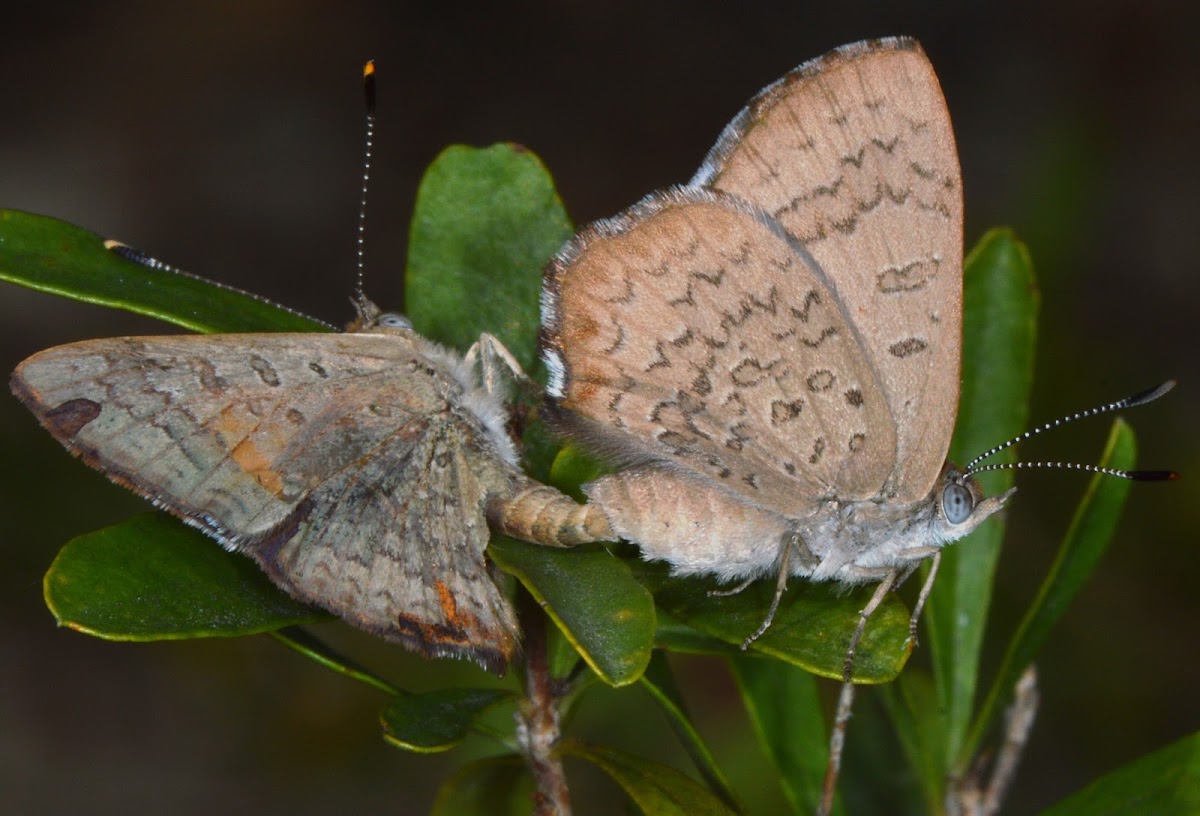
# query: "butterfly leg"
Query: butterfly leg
{"points": [[725, 593], [837, 741], [780, 585], [926, 588], [841, 718], [490, 353], [881, 591]]}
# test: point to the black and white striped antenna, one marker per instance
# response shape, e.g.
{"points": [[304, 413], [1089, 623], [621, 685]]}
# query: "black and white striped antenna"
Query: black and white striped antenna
{"points": [[361, 303], [1140, 398]]}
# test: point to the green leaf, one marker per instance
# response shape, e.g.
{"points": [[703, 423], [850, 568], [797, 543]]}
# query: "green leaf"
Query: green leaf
{"points": [[436, 720], [912, 707], [675, 636], [53, 256], [812, 628], [486, 222], [659, 790], [1000, 305], [316, 650], [660, 682], [785, 711], [573, 468], [1165, 783], [152, 578], [1087, 538], [498, 786], [594, 600]]}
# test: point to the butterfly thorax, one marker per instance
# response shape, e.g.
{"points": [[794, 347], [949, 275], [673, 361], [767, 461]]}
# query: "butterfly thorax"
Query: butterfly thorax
{"points": [[858, 541], [457, 378]]}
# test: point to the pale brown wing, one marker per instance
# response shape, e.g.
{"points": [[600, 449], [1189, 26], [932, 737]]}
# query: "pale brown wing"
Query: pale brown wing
{"points": [[694, 331], [854, 154], [331, 459]]}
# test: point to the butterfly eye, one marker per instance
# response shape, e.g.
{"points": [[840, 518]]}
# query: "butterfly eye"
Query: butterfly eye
{"points": [[957, 503], [391, 320]]}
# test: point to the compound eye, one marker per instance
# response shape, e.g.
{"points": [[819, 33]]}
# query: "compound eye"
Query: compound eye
{"points": [[957, 503], [392, 320]]}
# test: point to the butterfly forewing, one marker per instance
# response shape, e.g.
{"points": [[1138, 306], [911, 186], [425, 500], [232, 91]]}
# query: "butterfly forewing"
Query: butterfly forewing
{"points": [[854, 154]]}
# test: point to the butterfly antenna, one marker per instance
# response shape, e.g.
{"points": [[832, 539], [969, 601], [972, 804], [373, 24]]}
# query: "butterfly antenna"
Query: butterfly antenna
{"points": [[1140, 398], [361, 303]]}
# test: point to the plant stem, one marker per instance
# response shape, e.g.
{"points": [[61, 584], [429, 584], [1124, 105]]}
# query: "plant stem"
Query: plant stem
{"points": [[538, 722], [968, 796]]}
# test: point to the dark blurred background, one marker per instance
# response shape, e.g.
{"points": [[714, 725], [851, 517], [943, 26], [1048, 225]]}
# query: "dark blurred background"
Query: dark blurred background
{"points": [[225, 138]]}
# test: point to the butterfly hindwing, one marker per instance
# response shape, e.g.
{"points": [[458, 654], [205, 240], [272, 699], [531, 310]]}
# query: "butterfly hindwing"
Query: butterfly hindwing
{"points": [[692, 329]]}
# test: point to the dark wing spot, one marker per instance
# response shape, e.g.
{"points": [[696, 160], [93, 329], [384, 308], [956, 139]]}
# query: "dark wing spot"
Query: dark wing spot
{"points": [[907, 278], [854, 398], [907, 348], [68, 418], [856, 442], [782, 411], [826, 333], [820, 380], [802, 313], [749, 372], [818, 449], [675, 441], [209, 379], [265, 371]]}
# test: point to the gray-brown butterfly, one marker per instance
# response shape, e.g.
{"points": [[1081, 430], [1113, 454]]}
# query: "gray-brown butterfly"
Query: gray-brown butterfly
{"points": [[359, 469], [362, 471], [771, 353]]}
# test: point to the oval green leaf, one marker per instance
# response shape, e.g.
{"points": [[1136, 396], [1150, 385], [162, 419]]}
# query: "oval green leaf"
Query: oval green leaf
{"points": [[1087, 538], [436, 720], [676, 636], [785, 711], [1000, 307], [53, 256], [592, 597], [486, 221], [660, 682], [912, 707], [152, 578], [812, 627], [657, 789]]}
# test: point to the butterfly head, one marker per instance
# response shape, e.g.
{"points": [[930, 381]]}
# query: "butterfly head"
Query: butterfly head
{"points": [[960, 505], [370, 318]]}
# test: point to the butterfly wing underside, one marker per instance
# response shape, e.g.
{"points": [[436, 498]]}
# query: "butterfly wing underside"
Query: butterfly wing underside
{"points": [[854, 154], [341, 463], [693, 330]]}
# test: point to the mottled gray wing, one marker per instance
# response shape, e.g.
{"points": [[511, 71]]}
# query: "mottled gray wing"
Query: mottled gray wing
{"points": [[394, 543], [694, 331], [854, 154], [336, 461]]}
